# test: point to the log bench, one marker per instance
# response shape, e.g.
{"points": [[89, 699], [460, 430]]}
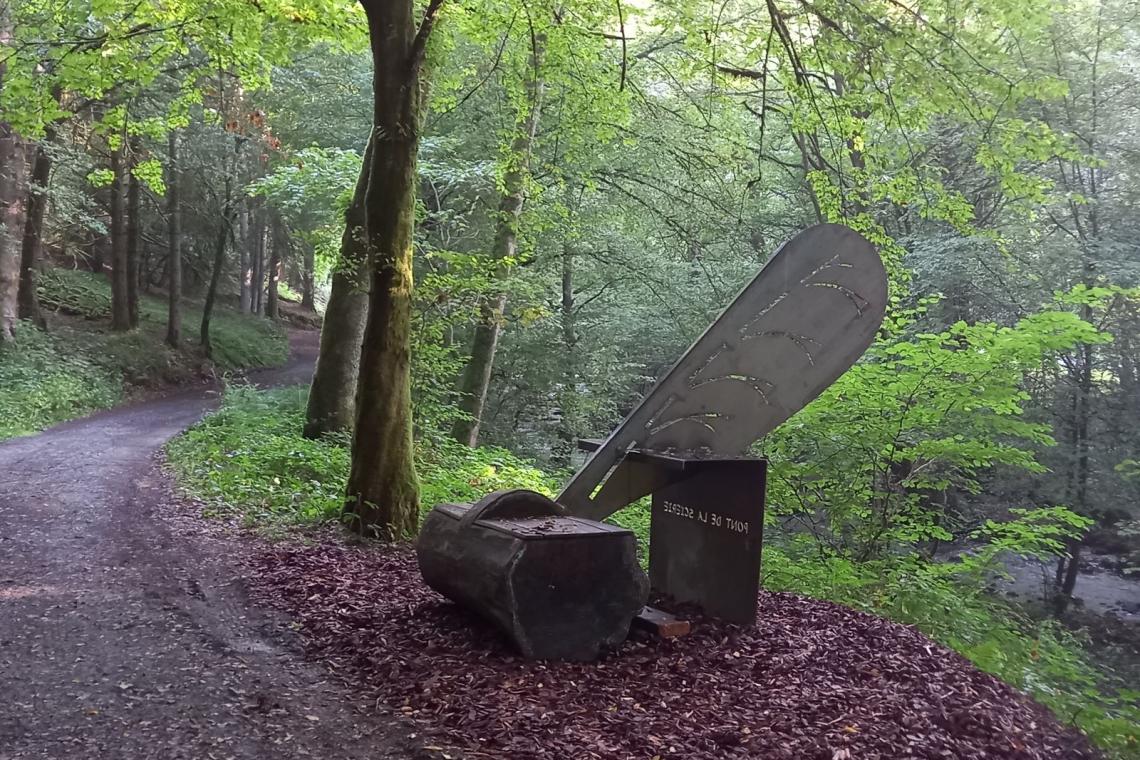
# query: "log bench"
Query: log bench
{"points": [[559, 587]]}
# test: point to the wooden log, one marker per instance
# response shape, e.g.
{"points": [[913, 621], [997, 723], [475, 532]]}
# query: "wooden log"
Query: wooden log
{"points": [[560, 587]]}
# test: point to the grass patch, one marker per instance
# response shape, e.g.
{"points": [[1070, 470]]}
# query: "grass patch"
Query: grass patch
{"points": [[240, 341], [45, 382], [249, 460], [80, 366]]}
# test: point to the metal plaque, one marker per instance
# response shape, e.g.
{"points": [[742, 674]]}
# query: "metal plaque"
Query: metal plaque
{"points": [[807, 316], [705, 536]]}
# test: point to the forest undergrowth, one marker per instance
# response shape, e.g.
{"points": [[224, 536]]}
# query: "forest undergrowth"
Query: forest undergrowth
{"points": [[79, 366], [249, 461]]}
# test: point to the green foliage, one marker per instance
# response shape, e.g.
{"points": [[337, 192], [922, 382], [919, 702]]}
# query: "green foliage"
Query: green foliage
{"points": [[46, 382], [81, 367], [250, 453], [249, 459], [239, 341], [863, 464], [947, 602], [311, 189], [75, 292]]}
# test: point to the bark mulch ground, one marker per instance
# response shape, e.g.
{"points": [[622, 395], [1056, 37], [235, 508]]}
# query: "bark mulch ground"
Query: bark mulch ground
{"points": [[812, 680]]}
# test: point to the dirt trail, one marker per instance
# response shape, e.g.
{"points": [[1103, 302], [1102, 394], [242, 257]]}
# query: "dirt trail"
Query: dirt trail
{"points": [[123, 636]]}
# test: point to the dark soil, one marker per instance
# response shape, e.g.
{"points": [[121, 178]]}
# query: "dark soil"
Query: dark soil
{"points": [[124, 637], [812, 681]]}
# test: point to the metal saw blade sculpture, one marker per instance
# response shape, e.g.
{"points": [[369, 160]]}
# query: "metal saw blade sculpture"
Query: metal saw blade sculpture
{"points": [[806, 317]]}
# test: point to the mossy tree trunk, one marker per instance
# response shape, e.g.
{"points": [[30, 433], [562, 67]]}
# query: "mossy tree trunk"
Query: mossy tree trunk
{"points": [[257, 285], [332, 397], [383, 495]]}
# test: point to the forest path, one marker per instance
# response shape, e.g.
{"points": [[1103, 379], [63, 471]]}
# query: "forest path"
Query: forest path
{"points": [[124, 636]]}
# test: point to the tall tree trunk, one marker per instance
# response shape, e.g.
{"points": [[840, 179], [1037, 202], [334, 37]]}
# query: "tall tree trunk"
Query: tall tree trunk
{"points": [[30, 252], [1087, 227], [568, 426], [120, 303], [257, 283], [383, 494], [276, 245], [332, 397], [12, 171], [174, 231], [225, 234], [308, 279], [477, 374], [133, 210], [244, 256]]}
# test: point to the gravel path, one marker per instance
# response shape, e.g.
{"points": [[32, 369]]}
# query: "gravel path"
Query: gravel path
{"points": [[124, 637]]}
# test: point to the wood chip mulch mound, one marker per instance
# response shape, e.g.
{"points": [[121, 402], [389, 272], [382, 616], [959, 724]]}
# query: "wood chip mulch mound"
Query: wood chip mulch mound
{"points": [[811, 681]]}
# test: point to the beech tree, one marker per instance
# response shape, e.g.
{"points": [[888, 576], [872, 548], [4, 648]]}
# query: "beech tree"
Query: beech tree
{"points": [[383, 495], [332, 396]]}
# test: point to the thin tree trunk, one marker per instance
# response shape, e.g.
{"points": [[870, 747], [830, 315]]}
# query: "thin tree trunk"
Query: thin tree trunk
{"points": [[257, 283], [332, 397], [383, 494], [120, 303], [276, 246], [569, 423], [244, 276], [133, 264], [30, 253], [225, 233], [215, 277], [174, 265], [476, 378], [308, 279], [12, 170]]}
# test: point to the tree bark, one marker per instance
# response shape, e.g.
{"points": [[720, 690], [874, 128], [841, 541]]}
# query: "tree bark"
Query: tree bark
{"points": [[257, 285], [174, 231], [477, 374], [12, 170], [225, 234], [244, 256], [275, 246], [308, 279], [332, 397], [383, 494], [31, 251], [120, 303], [215, 277], [568, 425], [133, 263]]}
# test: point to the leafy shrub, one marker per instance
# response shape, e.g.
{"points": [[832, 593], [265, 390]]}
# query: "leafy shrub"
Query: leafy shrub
{"points": [[249, 458], [44, 383]]}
